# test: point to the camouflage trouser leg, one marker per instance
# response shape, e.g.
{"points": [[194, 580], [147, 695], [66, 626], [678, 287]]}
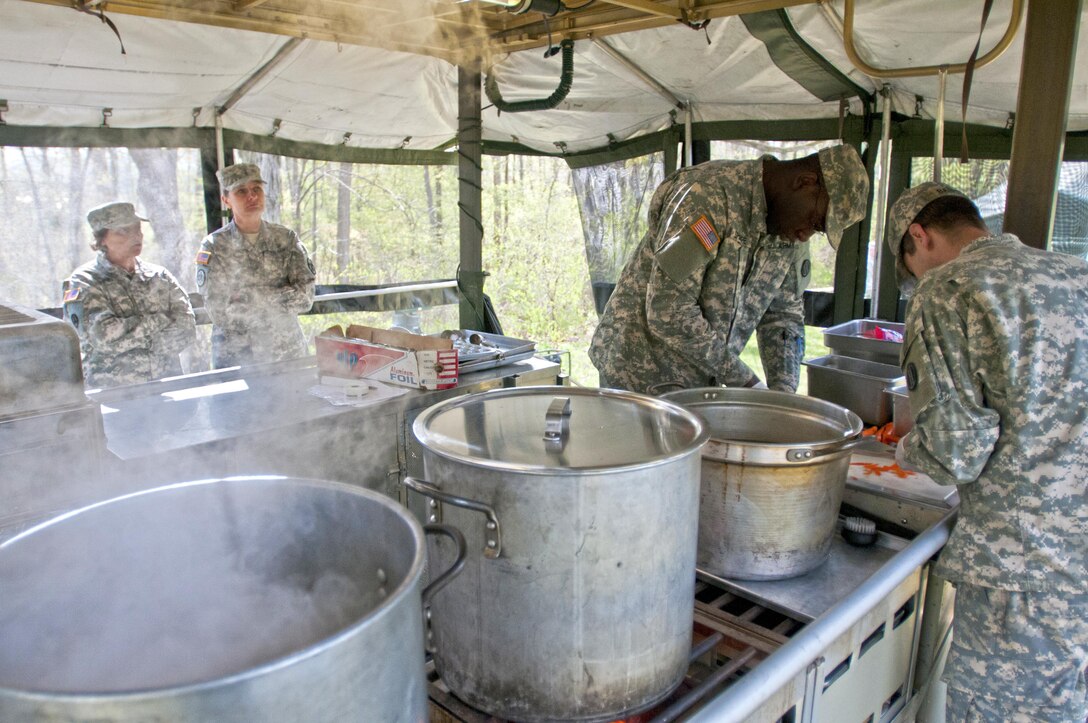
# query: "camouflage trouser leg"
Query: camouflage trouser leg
{"points": [[605, 383], [1017, 656]]}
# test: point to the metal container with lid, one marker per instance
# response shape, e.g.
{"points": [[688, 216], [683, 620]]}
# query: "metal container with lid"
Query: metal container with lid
{"points": [[773, 476], [580, 508]]}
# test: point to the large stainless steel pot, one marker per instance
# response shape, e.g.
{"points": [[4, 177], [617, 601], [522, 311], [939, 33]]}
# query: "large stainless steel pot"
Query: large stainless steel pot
{"points": [[579, 507], [242, 599], [773, 476]]}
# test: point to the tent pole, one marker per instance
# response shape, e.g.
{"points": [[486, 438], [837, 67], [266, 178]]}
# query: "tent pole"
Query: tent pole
{"points": [[1038, 137], [687, 134], [881, 212], [938, 131], [470, 273]]}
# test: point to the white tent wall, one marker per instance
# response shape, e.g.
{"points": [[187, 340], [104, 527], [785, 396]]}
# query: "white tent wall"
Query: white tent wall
{"points": [[60, 67], [913, 33]]}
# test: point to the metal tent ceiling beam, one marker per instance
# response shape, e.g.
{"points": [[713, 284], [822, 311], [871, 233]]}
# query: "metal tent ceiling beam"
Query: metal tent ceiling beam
{"points": [[285, 50], [450, 30]]}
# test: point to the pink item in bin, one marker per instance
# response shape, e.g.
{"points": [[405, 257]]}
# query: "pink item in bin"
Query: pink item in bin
{"points": [[879, 332]]}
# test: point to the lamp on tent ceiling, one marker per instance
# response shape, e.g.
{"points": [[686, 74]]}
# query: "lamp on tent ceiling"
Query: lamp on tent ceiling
{"points": [[519, 7]]}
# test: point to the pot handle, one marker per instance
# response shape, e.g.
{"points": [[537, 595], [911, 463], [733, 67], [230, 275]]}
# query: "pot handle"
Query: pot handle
{"points": [[804, 455], [458, 564], [657, 389], [557, 424], [492, 530]]}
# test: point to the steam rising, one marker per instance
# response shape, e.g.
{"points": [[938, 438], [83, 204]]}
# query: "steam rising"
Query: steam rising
{"points": [[191, 583]]}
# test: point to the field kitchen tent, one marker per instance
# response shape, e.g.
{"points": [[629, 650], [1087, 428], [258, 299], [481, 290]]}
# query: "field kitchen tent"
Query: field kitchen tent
{"points": [[393, 81]]}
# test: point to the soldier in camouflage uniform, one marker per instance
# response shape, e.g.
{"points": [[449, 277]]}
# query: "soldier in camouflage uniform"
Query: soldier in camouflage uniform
{"points": [[725, 256], [132, 317], [256, 277], [996, 360]]}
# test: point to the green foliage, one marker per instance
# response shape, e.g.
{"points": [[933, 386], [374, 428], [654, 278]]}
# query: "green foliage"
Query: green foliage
{"points": [[814, 347], [534, 252], [363, 224]]}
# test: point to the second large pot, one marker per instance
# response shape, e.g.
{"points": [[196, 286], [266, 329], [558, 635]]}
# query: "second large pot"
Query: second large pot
{"points": [[773, 477], [580, 509]]}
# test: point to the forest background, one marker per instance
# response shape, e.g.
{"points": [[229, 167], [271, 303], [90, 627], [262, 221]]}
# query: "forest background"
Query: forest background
{"points": [[550, 233]]}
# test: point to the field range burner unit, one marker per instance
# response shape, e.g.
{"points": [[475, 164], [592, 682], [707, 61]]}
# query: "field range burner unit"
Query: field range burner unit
{"points": [[837, 644]]}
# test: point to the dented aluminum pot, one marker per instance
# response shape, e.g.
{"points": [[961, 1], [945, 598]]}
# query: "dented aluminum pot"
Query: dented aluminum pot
{"points": [[773, 476], [246, 599], [580, 510]]}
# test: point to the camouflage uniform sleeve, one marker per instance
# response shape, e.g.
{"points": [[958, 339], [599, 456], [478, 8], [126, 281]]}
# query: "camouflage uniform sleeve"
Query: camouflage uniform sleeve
{"points": [[676, 320], [180, 330], [781, 331], [954, 432], [105, 329], [212, 284], [674, 312], [297, 295]]}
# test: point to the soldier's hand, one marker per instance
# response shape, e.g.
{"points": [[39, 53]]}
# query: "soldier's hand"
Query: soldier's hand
{"points": [[901, 457]]}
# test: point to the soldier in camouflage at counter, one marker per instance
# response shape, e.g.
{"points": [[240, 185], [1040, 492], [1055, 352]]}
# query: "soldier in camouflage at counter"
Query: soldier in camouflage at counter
{"points": [[132, 317], [996, 360], [255, 276], [725, 256]]}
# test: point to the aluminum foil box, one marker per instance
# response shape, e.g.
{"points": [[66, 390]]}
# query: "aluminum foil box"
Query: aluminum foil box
{"points": [[394, 357]]}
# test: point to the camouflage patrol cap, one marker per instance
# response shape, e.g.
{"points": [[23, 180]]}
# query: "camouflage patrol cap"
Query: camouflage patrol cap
{"points": [[234, 176], [902, 214], [847, 186], [113, 215]]}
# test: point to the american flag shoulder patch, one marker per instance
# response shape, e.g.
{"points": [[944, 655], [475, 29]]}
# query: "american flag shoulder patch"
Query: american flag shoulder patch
{"points": [[203, 257], [706, 234], [72, 294]]}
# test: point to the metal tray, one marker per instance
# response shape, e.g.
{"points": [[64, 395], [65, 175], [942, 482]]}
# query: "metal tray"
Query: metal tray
{"points": [[856, 384], [850, 339], [478, 350]]}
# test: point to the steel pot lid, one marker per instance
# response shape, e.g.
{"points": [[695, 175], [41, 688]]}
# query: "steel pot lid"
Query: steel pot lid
{"points": [[764, 427], [554, 430]]}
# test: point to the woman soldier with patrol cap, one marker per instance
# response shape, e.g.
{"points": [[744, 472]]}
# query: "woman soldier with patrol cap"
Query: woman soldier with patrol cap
{"points": [[256, 278], [132, 317]]}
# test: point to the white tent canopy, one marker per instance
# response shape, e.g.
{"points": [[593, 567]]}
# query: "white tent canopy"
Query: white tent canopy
{"points": [[63, 68]]}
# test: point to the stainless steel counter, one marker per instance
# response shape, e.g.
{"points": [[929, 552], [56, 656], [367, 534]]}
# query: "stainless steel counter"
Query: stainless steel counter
{"points": [[808, 596], [265, 420], [149, 419]]}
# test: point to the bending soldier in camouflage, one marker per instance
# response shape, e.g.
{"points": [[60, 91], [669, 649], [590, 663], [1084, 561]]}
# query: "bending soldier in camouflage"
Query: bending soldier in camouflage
{"points": [[255, 276], [996, 355], [133, 318], [725, 256]]}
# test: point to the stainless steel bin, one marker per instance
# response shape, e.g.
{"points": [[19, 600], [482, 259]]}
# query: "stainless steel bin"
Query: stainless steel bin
{"points": [[857, 384], [902, 420], [854, 339]]}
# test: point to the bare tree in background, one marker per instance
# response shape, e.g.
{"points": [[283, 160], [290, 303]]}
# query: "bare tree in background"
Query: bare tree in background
{"points": [[343, 219], [434, 201], [77, 171], [157, 193]]}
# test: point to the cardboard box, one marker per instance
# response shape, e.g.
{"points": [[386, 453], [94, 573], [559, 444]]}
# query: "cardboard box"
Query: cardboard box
{"points": [[394, 357]]}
